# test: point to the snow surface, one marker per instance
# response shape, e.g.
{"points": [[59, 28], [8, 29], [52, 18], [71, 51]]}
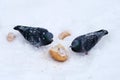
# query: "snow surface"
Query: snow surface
{"points": [[21, 61]]}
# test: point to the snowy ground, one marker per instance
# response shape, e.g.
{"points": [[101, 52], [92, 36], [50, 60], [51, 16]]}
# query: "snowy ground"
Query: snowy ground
{"points": [[21, 61]]}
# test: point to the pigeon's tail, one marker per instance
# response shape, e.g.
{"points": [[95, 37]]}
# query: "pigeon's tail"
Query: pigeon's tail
{"points": [[101, 32], [20, 28], [17, 27]]}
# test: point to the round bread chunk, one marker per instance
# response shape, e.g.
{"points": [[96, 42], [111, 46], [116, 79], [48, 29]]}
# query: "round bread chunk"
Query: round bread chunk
{"points": [[10, 37], [59, 53]]}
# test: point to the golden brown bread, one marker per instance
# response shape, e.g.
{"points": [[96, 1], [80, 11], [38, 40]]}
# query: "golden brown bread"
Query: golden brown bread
{"points": [[64, 35], [10, 37], [59, 53]]}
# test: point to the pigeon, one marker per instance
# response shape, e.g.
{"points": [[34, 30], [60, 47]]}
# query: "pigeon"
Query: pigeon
{"points": [[86, 42], [35, 35]]}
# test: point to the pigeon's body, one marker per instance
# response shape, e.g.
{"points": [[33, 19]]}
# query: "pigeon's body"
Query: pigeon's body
{"points": [[36, 36], [85, 42]]}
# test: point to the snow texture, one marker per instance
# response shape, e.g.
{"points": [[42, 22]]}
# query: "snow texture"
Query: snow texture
{"points": [[21, 61]]}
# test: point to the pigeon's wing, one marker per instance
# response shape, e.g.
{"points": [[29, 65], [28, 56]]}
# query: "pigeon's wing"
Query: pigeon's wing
{"points": [[41, 30], [89, 42], [32, 36], [26, 34], [36, 41]]}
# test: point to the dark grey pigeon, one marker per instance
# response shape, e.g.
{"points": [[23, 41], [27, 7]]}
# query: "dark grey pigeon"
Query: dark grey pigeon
{"points": [[35, 35], [85, 42]]}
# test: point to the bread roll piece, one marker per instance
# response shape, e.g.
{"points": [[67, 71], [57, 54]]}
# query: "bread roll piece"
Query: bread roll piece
{"points": [[10, 37], [59, 53], [64, 35]]}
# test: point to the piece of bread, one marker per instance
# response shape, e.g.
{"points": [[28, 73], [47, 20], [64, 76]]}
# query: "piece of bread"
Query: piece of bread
{"points": [[10, 37], [64, 34], [59, 53]]}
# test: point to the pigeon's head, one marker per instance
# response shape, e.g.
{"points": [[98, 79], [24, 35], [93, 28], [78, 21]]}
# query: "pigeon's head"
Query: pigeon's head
{"points": [[75, 46], [47, 38]]}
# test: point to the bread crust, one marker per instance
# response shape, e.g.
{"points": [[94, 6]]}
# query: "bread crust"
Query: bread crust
{"points": [[59, 53], [63, 35]]}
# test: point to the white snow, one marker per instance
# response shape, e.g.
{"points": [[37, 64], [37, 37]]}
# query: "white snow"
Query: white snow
{"points": [[21, 61]]}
